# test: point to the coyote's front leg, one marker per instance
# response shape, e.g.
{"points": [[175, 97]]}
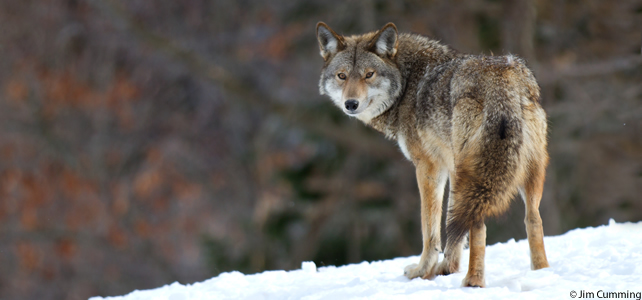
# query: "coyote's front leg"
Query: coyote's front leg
{"points": [[432, 181]]}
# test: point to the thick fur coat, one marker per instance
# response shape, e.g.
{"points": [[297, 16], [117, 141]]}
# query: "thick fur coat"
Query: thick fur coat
{"points": [[474, 120]]}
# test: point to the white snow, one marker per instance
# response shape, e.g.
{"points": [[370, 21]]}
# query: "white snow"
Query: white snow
{"points": [[590, 260]]}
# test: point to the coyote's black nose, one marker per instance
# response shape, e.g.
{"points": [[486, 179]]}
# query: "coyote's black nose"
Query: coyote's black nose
{"points": [[352, 105]]}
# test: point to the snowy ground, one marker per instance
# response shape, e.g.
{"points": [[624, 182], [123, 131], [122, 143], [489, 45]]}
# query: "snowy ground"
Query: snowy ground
{"points": [[591, 260]]}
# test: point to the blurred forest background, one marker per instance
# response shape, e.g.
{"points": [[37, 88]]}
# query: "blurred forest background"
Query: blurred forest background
{"points": [[147, 142]]}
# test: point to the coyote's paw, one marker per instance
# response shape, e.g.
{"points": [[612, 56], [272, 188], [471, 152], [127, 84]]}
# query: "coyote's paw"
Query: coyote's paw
{"points": [[447, 267], [473, 281], [419, 270]]}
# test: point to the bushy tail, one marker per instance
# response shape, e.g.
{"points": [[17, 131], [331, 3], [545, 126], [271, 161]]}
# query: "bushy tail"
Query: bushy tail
{"points": [[485, 180]]}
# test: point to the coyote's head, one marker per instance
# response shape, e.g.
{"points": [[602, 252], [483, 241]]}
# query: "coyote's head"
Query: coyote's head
{"points": [[360, 73]]}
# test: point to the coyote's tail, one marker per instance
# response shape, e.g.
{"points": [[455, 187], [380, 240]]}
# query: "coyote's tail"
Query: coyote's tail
{"points": [[485, 179]]}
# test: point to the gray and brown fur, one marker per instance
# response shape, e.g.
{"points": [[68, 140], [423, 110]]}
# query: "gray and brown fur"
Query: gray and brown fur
{"points": [[474, 120]]}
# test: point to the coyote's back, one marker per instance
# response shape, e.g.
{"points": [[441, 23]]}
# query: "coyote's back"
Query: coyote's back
{"points": [[473, 120]]}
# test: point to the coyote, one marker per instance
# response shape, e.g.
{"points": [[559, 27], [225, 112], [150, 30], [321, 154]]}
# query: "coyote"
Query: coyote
{"points": [[472, 119]]}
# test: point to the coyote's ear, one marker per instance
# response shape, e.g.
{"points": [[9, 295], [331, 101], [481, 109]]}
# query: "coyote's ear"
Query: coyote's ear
{"points": [[384, 42], [329, 41]]}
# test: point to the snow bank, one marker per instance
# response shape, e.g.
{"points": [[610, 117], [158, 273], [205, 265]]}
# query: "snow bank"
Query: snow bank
{"points": [[591, 260]]}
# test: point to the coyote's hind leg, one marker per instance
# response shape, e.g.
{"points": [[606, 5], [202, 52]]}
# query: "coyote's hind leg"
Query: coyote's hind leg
{"points": [[477, 246], [532, 194], [452, 252]]}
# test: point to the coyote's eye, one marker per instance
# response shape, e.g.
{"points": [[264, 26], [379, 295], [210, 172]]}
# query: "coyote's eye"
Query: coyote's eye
{"points": [[341, 76], [369, 74]]}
